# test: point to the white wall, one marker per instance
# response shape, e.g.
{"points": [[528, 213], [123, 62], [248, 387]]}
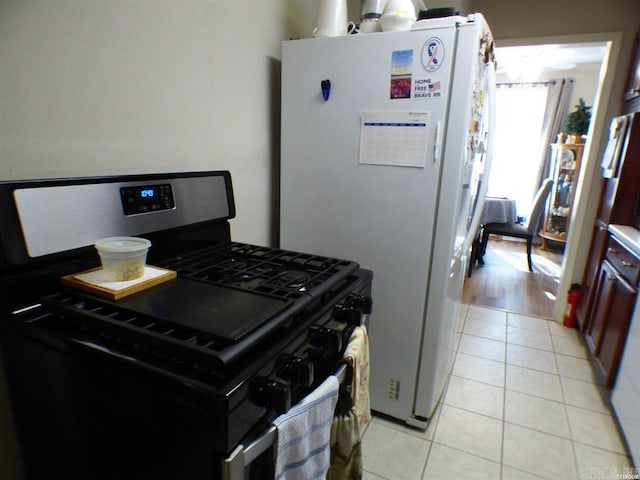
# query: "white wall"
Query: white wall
{"points": [[585, 85], [120, 86], [585, 82]]}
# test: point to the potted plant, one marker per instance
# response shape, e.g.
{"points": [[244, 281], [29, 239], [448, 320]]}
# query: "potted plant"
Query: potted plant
{"points": [[577, 122]]}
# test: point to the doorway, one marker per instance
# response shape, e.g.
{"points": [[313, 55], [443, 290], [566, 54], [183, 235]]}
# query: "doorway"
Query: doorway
{"points": [[531, 65]]}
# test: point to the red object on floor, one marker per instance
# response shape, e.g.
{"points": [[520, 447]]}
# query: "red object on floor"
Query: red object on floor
{"points": [[572, 303]]}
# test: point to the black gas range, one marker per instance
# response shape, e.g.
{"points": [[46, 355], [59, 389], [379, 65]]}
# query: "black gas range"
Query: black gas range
{"points": [[170, 381]]}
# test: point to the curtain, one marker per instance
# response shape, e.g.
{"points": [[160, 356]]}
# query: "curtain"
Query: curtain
{"points": [[555, 112]]}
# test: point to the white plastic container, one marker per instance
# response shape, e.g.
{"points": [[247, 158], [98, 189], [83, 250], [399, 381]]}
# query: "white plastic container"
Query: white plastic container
{"points": [[122, 258], [372, 8], [398, 15], [332, 19]]}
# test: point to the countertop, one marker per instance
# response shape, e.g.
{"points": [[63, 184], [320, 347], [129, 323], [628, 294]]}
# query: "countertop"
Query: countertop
{"points": [[628, 236]]}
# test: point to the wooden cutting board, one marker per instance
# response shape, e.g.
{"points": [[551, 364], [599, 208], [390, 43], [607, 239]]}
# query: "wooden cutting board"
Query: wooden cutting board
{"points": [[87, 282]]}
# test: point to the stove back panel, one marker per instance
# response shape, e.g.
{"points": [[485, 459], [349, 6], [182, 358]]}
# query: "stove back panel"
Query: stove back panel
{"points": [[64, 217]]}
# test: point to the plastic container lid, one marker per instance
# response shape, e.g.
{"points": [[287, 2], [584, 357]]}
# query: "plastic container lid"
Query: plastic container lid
{"points": [[122, 244]]}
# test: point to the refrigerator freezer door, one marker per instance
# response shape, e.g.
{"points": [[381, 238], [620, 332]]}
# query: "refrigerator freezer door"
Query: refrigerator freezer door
{"points": [[336, 201], [467, 154]]}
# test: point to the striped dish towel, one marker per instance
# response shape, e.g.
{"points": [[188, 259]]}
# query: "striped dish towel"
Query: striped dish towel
{"points": [[303, 435]]}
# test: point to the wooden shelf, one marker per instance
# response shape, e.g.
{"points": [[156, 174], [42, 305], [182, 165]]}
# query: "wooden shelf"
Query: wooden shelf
{"points": [[551, 236]]}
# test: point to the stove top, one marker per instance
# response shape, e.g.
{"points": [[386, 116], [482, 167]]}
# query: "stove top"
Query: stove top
{"points": [[226, 299], [264, 270]]}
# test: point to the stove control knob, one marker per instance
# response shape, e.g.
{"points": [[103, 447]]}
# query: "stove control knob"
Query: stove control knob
{"points": [[278, 396], [347, 314], [362, 302], [296, 369], [327, 339], [303, 370], [271, 394]]}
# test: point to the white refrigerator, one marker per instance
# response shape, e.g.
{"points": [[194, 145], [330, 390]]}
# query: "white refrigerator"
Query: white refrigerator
{"points": [[386, 138]]}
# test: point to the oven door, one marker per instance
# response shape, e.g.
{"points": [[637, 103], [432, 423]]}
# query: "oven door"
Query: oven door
{"points": [[94, 415]]}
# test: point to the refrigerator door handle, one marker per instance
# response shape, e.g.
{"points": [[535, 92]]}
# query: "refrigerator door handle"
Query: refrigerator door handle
{"points": [[437, 143], [491, 101]]}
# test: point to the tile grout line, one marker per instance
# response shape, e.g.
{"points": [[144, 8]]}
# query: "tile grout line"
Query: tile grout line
{"points": [[504, 388], [566, 412], [504, 406], [430, 447], [441, 400]]}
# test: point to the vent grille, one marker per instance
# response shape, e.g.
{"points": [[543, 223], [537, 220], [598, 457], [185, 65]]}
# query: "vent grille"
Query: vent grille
{"points": [[394, 389]]}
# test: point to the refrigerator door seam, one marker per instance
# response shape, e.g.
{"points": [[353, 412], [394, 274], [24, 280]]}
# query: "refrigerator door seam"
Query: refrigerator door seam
{"points": [[416, 417]]}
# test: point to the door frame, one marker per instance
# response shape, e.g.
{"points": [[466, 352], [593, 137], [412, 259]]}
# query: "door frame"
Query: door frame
{"points": [[587, 189]]}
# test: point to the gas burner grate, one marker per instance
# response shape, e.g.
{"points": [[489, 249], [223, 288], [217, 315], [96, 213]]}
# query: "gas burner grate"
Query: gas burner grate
{"points": [[261, 269], [163, 339]]}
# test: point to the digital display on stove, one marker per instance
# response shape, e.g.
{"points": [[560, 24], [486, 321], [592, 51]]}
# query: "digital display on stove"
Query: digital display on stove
{"points": [[147, 199]]}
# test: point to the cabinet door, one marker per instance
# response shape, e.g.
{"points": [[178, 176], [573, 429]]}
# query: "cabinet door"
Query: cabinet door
{"points": [[601, 306], [590, 278], [607, 331]]}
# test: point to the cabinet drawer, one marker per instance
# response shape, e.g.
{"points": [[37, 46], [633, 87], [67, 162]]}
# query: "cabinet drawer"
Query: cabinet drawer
{"points": [[627, 264]]}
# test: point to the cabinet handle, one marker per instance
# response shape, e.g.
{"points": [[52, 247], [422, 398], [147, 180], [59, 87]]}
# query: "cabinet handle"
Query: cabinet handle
{"points": [[611, 276], [627, 264], [603, 229], [612, 250]]}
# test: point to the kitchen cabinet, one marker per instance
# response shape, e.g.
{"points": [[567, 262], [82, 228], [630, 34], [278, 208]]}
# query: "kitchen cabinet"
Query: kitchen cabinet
{"points": [[566, 160], [614, 300], [612, 273], [619, 193]]}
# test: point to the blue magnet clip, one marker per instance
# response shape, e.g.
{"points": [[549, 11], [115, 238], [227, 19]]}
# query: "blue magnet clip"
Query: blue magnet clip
{"points": [[325, 85]]}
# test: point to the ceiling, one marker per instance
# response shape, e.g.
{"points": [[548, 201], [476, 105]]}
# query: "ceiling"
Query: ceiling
{"points": [[526, 62]]}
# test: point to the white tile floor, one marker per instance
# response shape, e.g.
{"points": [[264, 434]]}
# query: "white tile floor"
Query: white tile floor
{"points": [[522, 403]]}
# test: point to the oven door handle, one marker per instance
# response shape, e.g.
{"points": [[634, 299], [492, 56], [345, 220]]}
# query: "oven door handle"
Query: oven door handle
{"points": [[234, 465]]}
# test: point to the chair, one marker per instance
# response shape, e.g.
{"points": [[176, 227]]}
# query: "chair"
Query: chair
{"points": [[518, 230]]}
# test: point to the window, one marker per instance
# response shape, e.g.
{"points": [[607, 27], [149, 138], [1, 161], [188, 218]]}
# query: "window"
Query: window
{"points": [[520, 110]]}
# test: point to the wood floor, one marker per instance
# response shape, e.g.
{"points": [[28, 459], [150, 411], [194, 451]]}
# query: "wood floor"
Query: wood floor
{"points": [[505, 282]]}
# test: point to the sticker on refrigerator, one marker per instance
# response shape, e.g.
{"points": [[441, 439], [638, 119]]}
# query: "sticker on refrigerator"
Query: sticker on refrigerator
{"points": [[427, 88], [401, 69], [394, 138], [432, 54]]}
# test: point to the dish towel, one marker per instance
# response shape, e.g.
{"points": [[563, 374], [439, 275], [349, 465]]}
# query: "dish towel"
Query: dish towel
{"points": [[357, 356], [303, 435], [346, 450]]}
